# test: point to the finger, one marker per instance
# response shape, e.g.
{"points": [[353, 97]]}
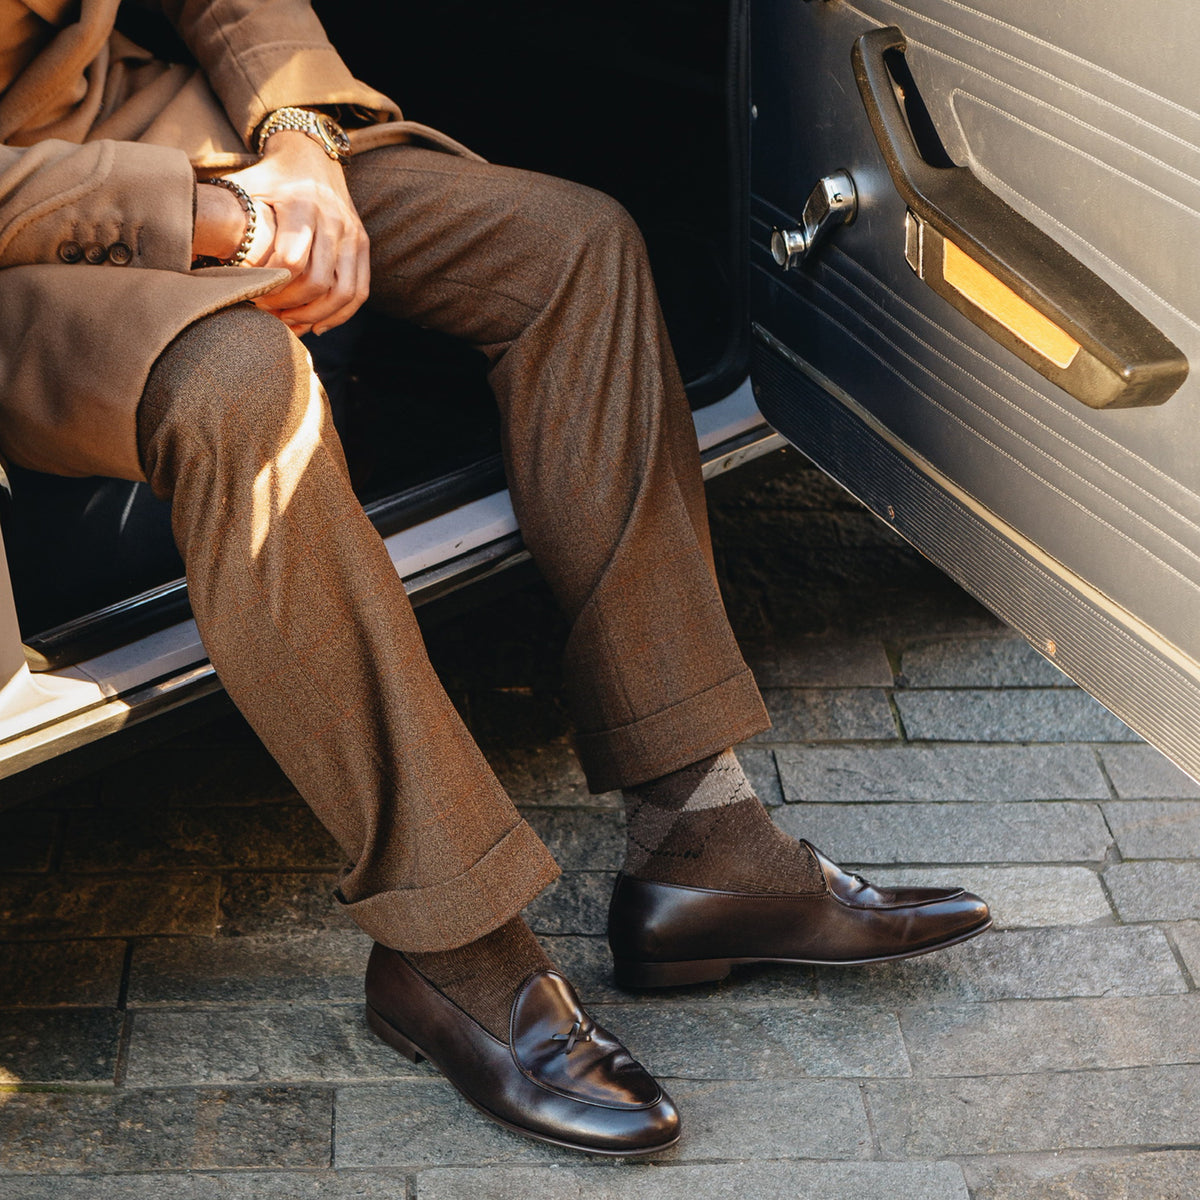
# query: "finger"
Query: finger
{"points": [[355, 267]]}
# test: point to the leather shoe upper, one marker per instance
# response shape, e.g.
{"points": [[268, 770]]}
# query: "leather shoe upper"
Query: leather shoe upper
{"points": [[851, 921], [561, 1078]]}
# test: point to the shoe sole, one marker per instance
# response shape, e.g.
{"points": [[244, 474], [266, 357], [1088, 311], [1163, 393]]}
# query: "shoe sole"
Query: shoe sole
{"points": [[387, 1032], [635, 975]]}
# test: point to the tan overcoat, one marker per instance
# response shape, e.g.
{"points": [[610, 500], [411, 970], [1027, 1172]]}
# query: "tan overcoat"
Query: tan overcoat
{"points": [[100, 148]]}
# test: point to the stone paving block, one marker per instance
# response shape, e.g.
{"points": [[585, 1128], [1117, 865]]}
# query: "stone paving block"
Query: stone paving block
{"points": [[708, 1181], [587, 963], [820, 662], [581, 839], [266, 836], [1143, 1106], [287, 902], [422, 1121], [1031, 1036], [27, 840], [1141, 772], [678, 1040], [1039, 831], [326, 966], [760, 768], [224, 1185], [259, 1045], [242, 774], [546, 773], [43, 974], [1009, 715], [1186, 936], [1025, 964], [871, 774], [59, 1045], [1002, 662], [808, 1119], [1019, 897], [576, 902], [169, 1129], [827, 715], [1155, 828], [1150, 1175], [1155, 891], [74, 906]]}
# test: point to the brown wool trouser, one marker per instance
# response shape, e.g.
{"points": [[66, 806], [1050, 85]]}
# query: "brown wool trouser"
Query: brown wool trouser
{"points": [[302, 612]]}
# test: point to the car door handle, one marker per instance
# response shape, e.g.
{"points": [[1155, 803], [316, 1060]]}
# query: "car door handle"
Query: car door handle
{"points": [[1000, 270]]}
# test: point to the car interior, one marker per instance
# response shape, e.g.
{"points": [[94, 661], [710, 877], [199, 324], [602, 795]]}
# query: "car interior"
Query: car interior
{"points": [[641, 99]]}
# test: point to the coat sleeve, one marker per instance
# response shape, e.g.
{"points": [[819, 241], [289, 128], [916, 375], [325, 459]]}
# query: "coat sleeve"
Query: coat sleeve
{"points": [[58, 197], [260, 55]]}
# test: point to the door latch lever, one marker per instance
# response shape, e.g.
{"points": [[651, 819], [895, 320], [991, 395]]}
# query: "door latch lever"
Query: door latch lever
{"points": [[833, 202]]}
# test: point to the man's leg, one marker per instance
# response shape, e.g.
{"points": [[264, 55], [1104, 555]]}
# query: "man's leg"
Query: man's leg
{"points": [[551, 280], [313, 636], [310, 630]]}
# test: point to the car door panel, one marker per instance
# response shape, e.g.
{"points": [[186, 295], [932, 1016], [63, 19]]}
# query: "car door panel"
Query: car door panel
{"points": [[1079, 123]]}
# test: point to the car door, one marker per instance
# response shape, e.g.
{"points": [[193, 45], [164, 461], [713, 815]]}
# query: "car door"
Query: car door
{"points": [[993, 352]]}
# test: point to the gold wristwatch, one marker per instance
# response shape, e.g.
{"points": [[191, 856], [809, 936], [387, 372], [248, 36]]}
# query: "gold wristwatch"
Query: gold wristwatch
{"points": [[323, 130]]}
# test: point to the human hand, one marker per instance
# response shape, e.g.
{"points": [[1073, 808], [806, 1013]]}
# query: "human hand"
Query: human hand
{"points": [[309, 227]]}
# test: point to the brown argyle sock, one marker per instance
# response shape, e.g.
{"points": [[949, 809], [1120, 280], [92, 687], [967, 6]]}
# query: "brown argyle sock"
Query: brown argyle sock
{"points": [[482, 977], [703, 826]]}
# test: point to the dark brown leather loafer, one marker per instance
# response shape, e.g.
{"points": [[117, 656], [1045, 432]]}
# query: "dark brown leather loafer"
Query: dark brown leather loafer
{"points": [[561, 1079], [665, 934]]}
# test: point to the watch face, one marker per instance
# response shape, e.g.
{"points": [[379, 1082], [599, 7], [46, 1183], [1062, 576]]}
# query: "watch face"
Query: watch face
{"points": [[334, 134]]}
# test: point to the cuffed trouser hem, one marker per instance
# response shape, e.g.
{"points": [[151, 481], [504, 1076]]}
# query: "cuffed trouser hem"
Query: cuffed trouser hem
{"points": [[444, 916], [675, 737]]}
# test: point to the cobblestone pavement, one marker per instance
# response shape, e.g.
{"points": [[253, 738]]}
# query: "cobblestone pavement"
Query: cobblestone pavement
{"points": [[182, 1000]]}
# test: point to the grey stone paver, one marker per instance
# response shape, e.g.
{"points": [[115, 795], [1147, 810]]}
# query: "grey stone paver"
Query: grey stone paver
{"points": [[1032, 1036], [820, 662], [763, 773], [1023, 964], [1143, 1106], [1008, 715], [725, 1181], [1149, 1175], [877, 774], [1155, 891], [223, 1185], [165, 1129], [61, 1046], [1155, 828], [325, 966], [581, 839], [274, 835], [43, 974], [737, 1041], [1041, 831], [1018, 897], [93, 906], [1004, 662], [1186, 936], [280, 903], [576, 902], [259, 1045], [834, 715], [1141, 772]]}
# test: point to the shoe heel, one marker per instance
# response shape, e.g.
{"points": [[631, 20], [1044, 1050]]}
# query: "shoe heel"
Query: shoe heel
{"points": [[387, 1032], [629, 974]]}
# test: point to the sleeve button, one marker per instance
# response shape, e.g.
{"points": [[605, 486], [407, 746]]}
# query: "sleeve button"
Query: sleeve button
{"points": [[119, 254], [70, 252], [95, 253]]}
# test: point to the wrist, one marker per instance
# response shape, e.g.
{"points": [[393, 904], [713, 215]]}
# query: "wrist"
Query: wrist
{"points": [[317, 126]]}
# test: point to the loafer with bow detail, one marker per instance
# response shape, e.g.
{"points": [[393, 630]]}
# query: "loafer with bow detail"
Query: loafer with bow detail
{"points": [[663, 934], [561, 1079]]}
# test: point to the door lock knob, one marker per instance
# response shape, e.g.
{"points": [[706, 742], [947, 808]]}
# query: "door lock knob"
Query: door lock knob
{"points": [[833, 202]]}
